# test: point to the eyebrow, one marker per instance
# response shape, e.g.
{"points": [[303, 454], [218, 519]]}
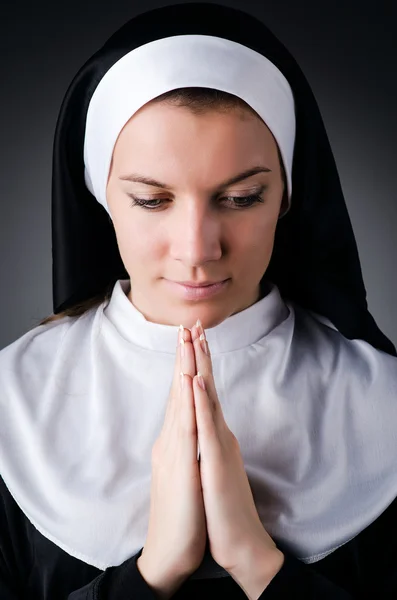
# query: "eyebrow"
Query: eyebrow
{"points": [[135, 177]]}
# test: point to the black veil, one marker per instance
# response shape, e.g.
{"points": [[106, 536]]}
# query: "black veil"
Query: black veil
{"points": [[315, 261]]}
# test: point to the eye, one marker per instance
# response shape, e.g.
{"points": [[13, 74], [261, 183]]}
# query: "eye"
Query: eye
{"points": [[238, 202]]}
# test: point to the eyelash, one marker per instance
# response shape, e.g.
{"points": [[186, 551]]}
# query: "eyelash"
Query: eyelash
{"points": [[250, 200]]}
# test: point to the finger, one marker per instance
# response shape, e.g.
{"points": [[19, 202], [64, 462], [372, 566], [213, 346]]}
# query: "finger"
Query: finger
{"points": [[186, 410], [185, 362], [207, 434], [188, 360], [204, 365], [186, 420], [195, 333], [178, 367], [182, 363]]}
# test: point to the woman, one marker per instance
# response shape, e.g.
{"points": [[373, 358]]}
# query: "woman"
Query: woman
{"points": [[190, 148]]}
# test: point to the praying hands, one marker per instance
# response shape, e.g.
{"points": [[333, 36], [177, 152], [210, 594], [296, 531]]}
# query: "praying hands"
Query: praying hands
{"points": [[192, 499]]}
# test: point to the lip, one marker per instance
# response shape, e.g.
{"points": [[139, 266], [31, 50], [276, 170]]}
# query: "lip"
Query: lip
{"points": [[197, 293], [202, 284]]}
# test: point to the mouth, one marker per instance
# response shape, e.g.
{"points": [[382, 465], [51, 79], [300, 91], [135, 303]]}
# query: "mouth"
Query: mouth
{"points": [[201, 292]]}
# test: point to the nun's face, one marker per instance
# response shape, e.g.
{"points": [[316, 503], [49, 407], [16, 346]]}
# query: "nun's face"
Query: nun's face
{"points": [[197, 228]]}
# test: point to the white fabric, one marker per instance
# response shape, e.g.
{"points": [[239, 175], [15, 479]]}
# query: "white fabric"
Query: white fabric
{"points": [[184, 61], [83, 400]]}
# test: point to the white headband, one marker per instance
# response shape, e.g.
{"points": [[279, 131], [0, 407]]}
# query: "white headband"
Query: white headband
{"points": [[176, 62]]}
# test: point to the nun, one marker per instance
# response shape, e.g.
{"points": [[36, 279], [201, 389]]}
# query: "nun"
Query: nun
{"points": [[211, 410]]}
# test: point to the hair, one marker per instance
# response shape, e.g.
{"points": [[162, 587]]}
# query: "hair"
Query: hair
{"points": [[199, 101]]}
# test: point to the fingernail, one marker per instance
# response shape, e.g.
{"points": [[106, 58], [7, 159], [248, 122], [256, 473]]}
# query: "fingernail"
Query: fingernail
{"points": [[182, 345], [181, 380], [204, 344], [180, 333], [200, 380], [199, 326]]}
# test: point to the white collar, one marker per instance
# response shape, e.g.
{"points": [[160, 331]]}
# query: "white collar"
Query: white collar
{"points": [[315, 415], [237, 331]]}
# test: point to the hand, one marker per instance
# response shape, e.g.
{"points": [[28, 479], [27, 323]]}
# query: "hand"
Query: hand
{"points": [[234, 528], [177, 534]]}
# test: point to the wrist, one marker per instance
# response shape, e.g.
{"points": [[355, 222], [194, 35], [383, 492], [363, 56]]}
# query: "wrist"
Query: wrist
{"points": [[162, 582], [256, 570]]}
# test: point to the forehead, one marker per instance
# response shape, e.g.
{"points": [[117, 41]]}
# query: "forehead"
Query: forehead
{"points": [[159, 132]]}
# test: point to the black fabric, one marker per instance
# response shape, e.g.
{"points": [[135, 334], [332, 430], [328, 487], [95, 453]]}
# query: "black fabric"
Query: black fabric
{"points": [[315, 261], [33, 567]]}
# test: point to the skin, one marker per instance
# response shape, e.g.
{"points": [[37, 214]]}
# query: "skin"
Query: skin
{"points": [[197, 232]]}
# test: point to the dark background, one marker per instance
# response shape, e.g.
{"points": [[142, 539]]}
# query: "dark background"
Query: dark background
{"points": [[347, 50]]}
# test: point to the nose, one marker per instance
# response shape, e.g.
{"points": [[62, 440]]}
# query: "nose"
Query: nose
{"points": [[195, 234]]}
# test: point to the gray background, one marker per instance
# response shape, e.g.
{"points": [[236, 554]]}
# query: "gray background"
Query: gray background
{"points": [[347, 51]]}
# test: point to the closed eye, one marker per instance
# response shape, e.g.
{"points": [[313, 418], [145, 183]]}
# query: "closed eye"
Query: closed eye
{"points": [[236, 202]]}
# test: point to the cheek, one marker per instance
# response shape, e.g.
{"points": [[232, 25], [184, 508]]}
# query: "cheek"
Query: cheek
{"points": [[253, 247], [138, 246], [266, 235], [255, 235], [129, 238]]}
